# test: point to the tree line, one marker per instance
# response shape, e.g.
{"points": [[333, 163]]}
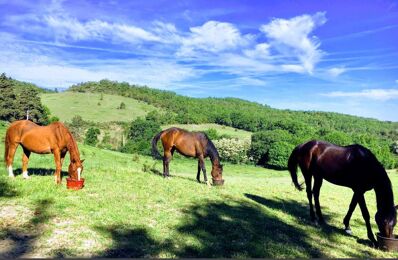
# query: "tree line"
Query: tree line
{"points": [[276, 131]]}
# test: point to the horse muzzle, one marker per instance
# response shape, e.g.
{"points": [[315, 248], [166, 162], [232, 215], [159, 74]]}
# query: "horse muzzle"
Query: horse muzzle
{"points": [[218, 182]]}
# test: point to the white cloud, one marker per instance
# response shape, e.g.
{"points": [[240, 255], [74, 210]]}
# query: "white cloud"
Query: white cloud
{"points": [[334, 72], [260, 51], [66, 28], [376, 94], [212, 36], [291, 37], [47, 68]]}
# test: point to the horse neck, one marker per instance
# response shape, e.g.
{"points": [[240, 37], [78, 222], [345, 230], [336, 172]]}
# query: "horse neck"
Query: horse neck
{"points": [[72, 148], [384, 193], [213, 154]]}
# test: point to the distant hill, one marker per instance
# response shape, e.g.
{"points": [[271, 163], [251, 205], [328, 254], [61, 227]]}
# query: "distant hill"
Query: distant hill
{"points": [[238, 113], [94, 107]]}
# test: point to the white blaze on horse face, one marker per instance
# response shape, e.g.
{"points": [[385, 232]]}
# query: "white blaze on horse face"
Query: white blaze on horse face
{"points": [[25, 175], [10, 173], [78, 173]]}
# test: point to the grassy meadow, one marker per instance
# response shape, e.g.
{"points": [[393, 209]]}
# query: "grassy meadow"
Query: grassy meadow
{"points": [[128, 210], [90, 107]]}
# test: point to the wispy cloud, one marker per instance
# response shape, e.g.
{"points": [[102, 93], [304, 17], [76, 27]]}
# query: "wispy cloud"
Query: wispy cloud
{"points": [[292, 37], [334, 72], [376, 94]]}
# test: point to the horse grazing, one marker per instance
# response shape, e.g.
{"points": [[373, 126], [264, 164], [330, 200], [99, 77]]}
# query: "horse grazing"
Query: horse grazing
{"points": [[190, 144], [352, 166], [54, 138]]}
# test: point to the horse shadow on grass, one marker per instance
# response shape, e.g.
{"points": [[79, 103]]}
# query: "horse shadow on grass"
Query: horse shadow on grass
{"points": [[6, 190], [159, 173], [237, 228], [40, 172], [301, 213], [18, 242]]}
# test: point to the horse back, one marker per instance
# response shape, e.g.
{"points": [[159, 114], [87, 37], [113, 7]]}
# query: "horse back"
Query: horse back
{"points": [[352, 166], [44, 139], [18, 128], [185, 142]]}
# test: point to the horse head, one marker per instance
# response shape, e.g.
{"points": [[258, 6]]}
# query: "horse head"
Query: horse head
{"points": [[75, 169], [216, 173], [386, 221]]}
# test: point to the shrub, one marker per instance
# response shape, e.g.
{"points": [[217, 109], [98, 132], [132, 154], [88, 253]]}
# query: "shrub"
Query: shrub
{"points": [[233, 150], [263, 142], [92, 136], [140, 134]]}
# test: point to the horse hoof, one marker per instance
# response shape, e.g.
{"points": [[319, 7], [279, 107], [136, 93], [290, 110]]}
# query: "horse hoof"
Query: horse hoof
{"points": [[348, 231], [25, 175]]}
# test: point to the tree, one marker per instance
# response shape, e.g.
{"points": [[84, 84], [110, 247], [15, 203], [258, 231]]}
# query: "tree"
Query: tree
{"points": [[122, 106], [140, 134], [7, 99], [76, 127], [28, 101], [92, 136]]}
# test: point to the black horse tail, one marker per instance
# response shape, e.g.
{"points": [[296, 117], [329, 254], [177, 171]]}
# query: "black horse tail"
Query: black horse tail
{"points": [[292, 166], [155, 151]]}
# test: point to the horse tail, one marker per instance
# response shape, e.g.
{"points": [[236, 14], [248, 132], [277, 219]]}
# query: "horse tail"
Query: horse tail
{"points": [[6, 146], [155, 151], [292, 166]]}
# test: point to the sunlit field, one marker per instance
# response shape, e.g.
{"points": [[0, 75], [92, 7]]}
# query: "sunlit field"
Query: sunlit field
{"points": [[127, 209]]}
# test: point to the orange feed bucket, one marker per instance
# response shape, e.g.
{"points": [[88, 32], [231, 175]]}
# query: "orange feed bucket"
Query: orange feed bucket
{"points": [[74, 184]]}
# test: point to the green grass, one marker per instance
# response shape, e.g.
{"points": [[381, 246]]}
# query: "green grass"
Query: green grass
{"points": [[66, 105], [233, 132], [126, 211]]}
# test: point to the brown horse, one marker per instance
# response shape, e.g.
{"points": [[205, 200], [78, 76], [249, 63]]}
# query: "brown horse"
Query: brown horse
{"points": [[54, 138], [352, 166], [190, 144]]}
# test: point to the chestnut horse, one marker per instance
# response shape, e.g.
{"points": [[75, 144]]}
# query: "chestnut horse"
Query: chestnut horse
{"points": [[190, 144], [54, 138], [352, 166]]}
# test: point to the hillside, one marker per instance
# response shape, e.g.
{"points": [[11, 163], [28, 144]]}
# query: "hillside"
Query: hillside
{"points": [[275, 132], [90, 107], [127, 210]]}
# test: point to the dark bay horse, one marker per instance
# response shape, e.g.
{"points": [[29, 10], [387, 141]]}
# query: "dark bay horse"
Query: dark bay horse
{"points": [[353, 166], [54, 138], [190, 144]]}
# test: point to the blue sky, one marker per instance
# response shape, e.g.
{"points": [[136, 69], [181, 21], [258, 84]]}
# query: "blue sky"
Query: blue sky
{"points": [[339, 56]]}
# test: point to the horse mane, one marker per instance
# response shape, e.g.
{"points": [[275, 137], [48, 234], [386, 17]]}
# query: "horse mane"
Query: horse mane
{"points": [[382, 185], [211, 151], [72, 146]]}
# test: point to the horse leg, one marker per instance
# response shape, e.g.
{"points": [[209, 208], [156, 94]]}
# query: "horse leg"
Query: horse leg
{"points": [[63, 154], [366, 217], [308, 184], [202, 166], [10, 158], [58, 167], [166, 162], [351, 209], [25, 161], [198, 175], [316, 191]]}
